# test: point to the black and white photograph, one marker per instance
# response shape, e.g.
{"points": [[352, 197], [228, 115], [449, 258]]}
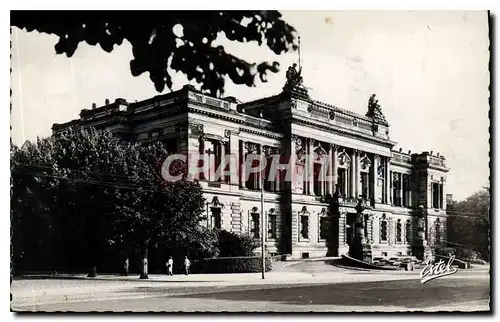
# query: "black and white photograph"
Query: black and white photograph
{"points": [[250, 161]]}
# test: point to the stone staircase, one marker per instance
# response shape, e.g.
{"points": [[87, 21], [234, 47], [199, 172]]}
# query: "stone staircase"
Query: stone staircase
{"points": [[398, 262]]}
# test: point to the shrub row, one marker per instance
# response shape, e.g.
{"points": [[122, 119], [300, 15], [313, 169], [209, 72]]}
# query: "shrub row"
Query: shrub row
{"points": [[460, 253], [251, 264]]}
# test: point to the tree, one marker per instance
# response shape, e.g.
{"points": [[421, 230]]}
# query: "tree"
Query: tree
{"points": [[469, 223], [166, 215], [181, 40]]}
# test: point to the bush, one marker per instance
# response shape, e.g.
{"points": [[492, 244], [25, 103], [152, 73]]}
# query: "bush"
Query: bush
{"points": [[479, 262], [230, 265], [445, 251], [465, 254], [234, 245]]}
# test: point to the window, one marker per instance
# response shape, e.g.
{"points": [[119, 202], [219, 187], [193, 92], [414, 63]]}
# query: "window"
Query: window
{"points": [[253, 177], [255, 226], [171, 145], [399, 238], [268, 181], [396, 189], [323, 227], [441, 196], [304, 226], [364, 186], [383, 229], [341, 180], [408, 231], [438, 232], [317, 179], [435, 195], [271, 233]]}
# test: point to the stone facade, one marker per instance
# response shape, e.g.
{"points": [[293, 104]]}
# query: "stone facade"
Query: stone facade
{"points": [[397, 188]]}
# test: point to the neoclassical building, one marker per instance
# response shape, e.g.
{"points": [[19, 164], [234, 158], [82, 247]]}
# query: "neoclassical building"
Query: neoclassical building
{"points": [[395, 187]]}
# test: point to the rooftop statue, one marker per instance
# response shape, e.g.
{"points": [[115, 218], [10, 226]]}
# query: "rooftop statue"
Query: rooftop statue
{"points": [[374, 110], [293, 77]]}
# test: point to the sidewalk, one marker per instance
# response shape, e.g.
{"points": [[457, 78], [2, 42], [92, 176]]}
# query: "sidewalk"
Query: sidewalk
{"points": [[75, 288]]}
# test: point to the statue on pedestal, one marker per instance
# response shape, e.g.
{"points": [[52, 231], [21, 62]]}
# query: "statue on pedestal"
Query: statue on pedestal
{"points": [[293, 78], [374, 110]]}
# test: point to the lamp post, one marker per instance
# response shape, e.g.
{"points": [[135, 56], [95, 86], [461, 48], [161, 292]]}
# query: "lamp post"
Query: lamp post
{"points": [[263, 239]]}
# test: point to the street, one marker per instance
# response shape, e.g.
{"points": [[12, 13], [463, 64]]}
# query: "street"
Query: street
{"points": [[325, 290]]}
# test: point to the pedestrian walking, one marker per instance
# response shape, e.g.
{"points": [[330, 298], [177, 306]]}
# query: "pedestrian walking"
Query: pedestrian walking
{"points": [[170, 266], [187, 264]]}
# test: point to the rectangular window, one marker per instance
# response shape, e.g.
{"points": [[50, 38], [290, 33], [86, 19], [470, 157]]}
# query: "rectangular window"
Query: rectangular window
{"points": [[383, 231], [304, 227], [341, 175], [396, 190], [408, 231], [435, 195], [323, 227], [440, 196], [271, 233], [365, 186], [255, 226], [253, 177], [269, 182], [398, 232], [318, 180]]}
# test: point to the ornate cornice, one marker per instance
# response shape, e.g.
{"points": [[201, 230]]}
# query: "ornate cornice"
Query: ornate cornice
{"points": [[358, 136]]}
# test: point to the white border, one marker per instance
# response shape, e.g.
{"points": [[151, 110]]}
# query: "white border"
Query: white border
{"points": [[200, 4]]}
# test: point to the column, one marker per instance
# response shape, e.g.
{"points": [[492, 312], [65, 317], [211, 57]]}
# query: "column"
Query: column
{"points": [[329, 170], [222, 155], [334, 166], [388, 180], [359, 189], [310, 167], [291, 171], [346, 180], [410, 192], [373, 184], [259, 174], [242, 163], [401, 191], [353, 174], [234, 160], [276, 183]]}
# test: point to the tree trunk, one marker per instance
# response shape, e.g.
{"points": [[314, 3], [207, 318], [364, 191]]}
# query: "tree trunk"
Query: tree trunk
{"points": [[93, 271], [144, 264]]}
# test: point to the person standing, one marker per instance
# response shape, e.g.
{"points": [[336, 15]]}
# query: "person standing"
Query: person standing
{"points": [[170, 266], [187, 264]]}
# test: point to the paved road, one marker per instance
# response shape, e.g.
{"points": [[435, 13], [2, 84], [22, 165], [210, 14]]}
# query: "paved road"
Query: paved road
{"points": [[469, 293]]}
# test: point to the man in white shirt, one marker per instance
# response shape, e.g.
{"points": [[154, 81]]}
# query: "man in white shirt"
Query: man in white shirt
{"points": [[187, 263], [170, 266]]}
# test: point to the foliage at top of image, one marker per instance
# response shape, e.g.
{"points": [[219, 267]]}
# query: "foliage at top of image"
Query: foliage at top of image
{"points": [[156, 44]]}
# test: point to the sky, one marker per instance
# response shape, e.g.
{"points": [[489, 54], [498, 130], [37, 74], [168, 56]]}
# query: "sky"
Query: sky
{"points": [[429, 70]]}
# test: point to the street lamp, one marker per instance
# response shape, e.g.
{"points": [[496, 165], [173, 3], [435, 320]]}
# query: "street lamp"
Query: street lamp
{"points": [[263, 216]]}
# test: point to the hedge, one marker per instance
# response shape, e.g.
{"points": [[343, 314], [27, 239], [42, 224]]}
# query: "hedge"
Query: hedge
{"points": [[460, 253], [251, 264]]}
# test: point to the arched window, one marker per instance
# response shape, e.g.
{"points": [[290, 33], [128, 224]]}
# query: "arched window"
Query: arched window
{"points": [[383, 229], [408, 231], [399, 238], [304, 223]]}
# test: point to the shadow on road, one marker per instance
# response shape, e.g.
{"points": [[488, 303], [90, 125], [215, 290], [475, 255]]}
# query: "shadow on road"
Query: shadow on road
{"points": [[408, 293]]}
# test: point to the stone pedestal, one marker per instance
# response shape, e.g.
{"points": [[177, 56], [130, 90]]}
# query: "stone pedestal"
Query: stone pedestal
{"points": [[367, 253]]}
